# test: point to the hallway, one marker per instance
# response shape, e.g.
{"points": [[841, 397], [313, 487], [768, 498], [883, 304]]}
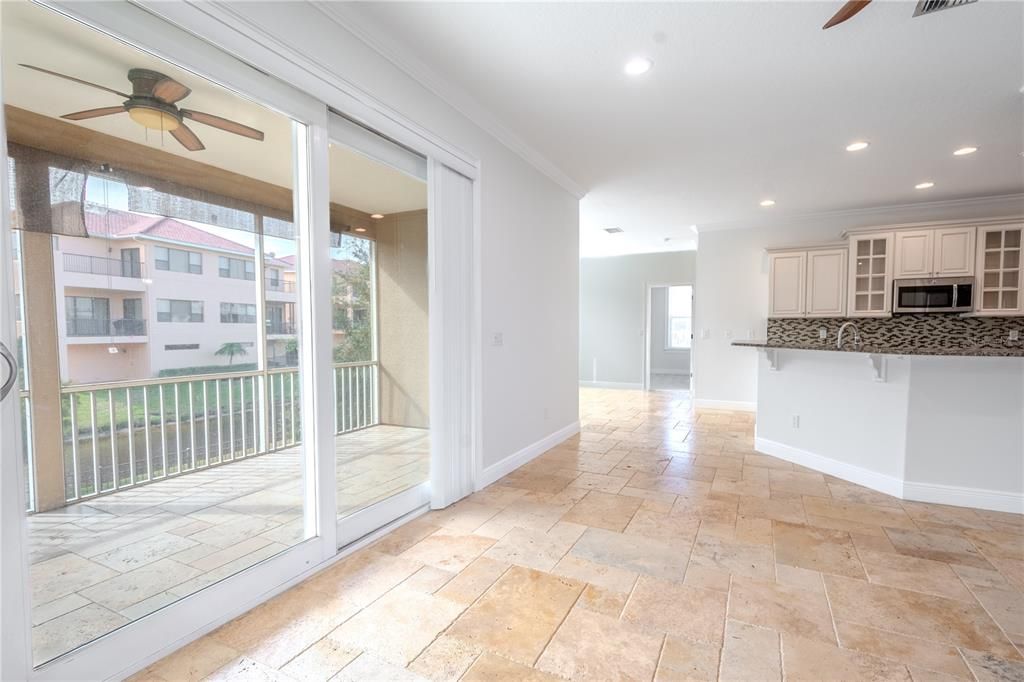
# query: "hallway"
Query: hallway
{"points": [[657, 544]]}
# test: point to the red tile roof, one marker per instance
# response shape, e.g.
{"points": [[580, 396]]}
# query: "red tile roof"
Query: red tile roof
{"points": [[113, 224]]}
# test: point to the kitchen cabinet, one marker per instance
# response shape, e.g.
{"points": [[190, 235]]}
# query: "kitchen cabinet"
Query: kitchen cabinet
{"points": [[786, 281], [999, 270], [807, 283], [870, 278], [826, 283], [941, 252]]}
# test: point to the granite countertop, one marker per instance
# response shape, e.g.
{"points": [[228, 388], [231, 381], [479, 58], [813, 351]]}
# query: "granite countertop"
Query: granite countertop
{"points": [[1007, 352]]}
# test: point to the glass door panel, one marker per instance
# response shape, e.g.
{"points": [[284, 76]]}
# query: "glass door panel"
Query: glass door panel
{"points": [[380, 335], [161, 398]]}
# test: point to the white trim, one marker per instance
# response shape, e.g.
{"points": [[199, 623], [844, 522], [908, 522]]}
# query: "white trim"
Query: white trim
{"points": [[883, 483], [353, 527], [674, 372], [638, 386], [711, 404], [514, 461], [457, 98], [958, 496]]}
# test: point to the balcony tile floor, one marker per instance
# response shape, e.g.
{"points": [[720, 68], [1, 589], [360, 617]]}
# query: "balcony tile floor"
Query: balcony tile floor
{"points": [[99, 564], [656, 544]]}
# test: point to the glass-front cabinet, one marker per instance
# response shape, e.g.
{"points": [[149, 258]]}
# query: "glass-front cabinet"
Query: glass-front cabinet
{"points": [[871, 275], [999, 270]]}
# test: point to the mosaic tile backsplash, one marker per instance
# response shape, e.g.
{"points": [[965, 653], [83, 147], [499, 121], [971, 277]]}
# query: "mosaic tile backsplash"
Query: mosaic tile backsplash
{"points": [[905, 331]]}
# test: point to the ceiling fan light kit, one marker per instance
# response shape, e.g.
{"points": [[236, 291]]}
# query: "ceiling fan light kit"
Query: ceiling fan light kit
{"points": [[153, 105], [922, 8]]}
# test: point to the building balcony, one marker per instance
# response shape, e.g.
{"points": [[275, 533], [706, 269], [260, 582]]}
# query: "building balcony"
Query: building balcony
{"points": [[96, 272], [101, 330], [275, 328]]}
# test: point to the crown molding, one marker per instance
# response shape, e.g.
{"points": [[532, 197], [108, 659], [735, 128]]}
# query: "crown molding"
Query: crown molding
{"points": [[343, 15], [971, 208]]}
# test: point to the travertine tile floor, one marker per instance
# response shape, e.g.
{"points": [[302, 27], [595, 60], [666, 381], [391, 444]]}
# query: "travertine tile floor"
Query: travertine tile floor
{"points": [[655, 545], [99, 564]]}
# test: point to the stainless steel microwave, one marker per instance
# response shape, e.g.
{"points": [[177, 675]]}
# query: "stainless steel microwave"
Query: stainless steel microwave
{"points": [[935, 295]]}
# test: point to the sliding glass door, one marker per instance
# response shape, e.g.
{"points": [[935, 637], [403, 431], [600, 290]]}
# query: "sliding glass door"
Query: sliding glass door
{"points": [[380, 330]]}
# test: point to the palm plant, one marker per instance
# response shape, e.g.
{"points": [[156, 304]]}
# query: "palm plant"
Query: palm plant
{"points": [[232, 349]]}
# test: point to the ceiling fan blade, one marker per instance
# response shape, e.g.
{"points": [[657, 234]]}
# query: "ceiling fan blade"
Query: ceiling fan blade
{"points": [[170, 91], [223, 124], [187, 138], [93, 113], [76, 80], [847, 11]]}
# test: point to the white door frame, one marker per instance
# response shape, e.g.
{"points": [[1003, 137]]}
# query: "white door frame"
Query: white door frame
{"points": [[648, 313], [131, 648]]}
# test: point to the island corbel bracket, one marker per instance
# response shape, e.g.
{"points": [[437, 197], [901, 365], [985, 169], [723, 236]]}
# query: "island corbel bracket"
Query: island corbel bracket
{"points": [[879, 365], [772, 355]]}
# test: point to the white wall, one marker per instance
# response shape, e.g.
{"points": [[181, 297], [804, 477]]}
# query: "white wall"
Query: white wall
{"points": [[664, 361], [612, 311], [732, 283], [529, 225]]}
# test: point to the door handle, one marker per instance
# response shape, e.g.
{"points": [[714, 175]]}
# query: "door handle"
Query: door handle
{"points": [[12, 366]]}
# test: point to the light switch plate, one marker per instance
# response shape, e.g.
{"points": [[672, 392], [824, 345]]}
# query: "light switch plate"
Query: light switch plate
{"points": [[1014, 335], [822, 333], [497, 339]]}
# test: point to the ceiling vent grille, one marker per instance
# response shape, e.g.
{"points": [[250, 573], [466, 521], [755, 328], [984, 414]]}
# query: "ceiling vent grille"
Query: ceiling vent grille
{"points": [[613, 230], [929, 6]]}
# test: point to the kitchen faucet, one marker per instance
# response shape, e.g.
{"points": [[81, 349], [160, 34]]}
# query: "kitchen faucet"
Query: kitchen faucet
{"points": [[856, 335]]}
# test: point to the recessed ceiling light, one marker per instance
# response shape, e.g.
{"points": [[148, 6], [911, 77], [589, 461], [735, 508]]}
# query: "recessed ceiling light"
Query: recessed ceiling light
{"points": [[857, 146], [964, 151], [924, 185], [638, 66], [144, 188], [376, 216], [768, 202], [360, 229]]}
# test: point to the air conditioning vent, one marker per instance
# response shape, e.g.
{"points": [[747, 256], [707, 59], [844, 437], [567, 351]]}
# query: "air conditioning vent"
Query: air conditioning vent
{"points": [[929, 6], [613, 230]]}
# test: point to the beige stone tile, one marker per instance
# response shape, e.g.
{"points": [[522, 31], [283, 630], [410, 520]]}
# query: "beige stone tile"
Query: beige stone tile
{"points": [[526, 513], [917, 653], [798, 482], [724, 552], [535, 548], [592, 646], [58, 607], [707, 509], [631, 553], [990, 668], [682, 659], [864, 514], [707, 578], [445, 659], [467, 586], [364, 576], [63, 633], [848, 492], [367, 668], [676, 485], [320, 662], [997, 544], [1006, 608], [447, 550], [665, 606], [1011, 569], [925, 513], [128, 588], [791, 511], [601, 600], [64, 574], [194, 661], [743, 488], [911, 573], [981, 577], [136, 554], [684, 467], [404, 537], [812, 660], [490, 667], [601, 482], [679, 531], [602, 510], [952, 549], [782, 608], [817, 549], [872, 542], [767, 461], [750, 653], [398, 626], [250, 670], [608, 577], [916, 614], [465, 516], [799, 577], [518, 615], [854, 528]]}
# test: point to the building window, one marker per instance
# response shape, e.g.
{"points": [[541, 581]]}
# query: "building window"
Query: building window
{"points": [[679, 320], [172, 310], [177, 260], [181, 346], [238, 313], [236, 268], [87, 316]]}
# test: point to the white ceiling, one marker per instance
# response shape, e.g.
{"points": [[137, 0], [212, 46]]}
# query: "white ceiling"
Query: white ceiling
{"points": [[34, 35], [745, 101]]}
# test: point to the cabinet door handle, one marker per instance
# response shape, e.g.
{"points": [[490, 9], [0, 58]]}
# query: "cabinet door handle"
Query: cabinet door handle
{"points": [[12, 366]]}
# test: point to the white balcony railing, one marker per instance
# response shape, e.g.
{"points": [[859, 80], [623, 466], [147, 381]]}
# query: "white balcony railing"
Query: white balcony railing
{"points": [[123, 434], [98, 265]]}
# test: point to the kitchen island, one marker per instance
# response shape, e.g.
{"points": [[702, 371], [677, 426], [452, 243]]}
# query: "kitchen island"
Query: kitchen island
{"points": [[937, 424]]}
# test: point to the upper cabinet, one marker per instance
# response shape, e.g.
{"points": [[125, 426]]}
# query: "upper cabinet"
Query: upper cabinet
{"points": [[999, 270], [870, 275], [807, 283], [943, 252]]}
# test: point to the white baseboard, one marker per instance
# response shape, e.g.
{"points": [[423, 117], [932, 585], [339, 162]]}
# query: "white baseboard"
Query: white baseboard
{"points": [[890, 485], [738, 405], [980, 498], [957, 496], [518, 459], [611, 384]]}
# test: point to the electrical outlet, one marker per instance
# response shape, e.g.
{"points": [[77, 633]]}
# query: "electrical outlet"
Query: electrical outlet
{"points": [[497, 339], [822, 333], [1014, 335], [796, 421]]}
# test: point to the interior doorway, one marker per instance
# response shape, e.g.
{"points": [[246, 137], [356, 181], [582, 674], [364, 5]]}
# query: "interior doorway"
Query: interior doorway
{"points": [[668, 344]]}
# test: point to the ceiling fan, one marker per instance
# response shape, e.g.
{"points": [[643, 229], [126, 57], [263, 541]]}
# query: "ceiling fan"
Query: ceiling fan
{"points": [[851, 8], [153, 105]]}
